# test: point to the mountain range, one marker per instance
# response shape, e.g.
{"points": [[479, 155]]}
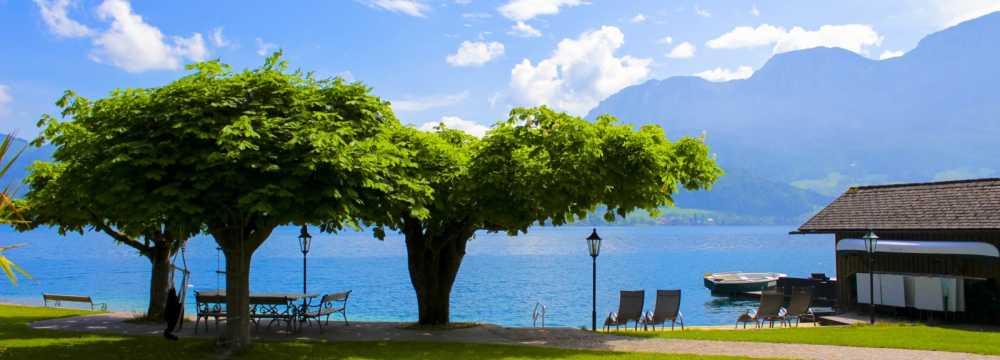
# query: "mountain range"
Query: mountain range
{"points": [[823, 119]]}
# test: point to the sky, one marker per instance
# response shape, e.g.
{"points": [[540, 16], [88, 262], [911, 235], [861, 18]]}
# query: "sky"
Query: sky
{"points": [[462, 62]]}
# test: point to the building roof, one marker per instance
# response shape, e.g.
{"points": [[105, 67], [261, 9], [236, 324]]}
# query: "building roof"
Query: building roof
{"points": [[947, 205]]}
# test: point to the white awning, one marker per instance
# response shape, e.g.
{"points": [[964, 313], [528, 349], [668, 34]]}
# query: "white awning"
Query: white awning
{"points": [[923, 247]]}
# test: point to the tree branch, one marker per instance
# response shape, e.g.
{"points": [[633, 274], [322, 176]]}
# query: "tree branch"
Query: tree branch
{"points": [[121, 237]]}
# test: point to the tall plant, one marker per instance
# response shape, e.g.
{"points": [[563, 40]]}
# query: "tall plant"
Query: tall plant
{"points": [[8, 213]]}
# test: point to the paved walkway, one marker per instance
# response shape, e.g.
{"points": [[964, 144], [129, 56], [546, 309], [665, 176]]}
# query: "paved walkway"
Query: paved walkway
{"points": [[553, 337]]}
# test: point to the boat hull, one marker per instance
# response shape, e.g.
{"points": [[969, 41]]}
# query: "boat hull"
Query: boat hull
{"points": [[728, 288]]}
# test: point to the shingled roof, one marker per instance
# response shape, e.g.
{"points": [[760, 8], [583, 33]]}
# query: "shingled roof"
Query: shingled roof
{"points": [[947, 205]]}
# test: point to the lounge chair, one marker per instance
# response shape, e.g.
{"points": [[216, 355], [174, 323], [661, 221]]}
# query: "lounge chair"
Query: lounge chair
{"points": [[328, 305], [668, 307], [629, 309], [769, 310], [799, 309]]}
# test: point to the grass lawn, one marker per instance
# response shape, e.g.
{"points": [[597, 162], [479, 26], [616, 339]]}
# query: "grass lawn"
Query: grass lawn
{"points": [[901, 336], [18, 341]]}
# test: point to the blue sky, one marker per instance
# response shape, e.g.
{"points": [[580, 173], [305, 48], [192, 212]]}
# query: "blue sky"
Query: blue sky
{"points": [[463, 61]]}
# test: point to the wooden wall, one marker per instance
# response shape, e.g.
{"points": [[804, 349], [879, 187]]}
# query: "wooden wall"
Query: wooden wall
{"points": [[850, 263]]}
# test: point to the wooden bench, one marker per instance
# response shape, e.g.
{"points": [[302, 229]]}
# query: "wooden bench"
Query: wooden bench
{"points": [[57, 301]]}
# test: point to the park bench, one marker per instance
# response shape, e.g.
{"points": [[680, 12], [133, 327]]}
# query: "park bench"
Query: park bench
{"points": [[209, 305], [57, 301]]}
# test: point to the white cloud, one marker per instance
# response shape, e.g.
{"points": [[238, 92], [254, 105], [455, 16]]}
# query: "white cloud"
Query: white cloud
{"points": [[456, 123], [638, 18], [684, 50], [889, 54], [523, 10], [409, 7], [702, 12], [951, 12], [55, 17], [219, 40], [666, 40], [428, 102], [264, 48], [580, 73], [521, 29], [853, 37], [5, 100], [135, 46], [463, 2], [475, 53], [754, 11], [476, 15], [723, 74]]}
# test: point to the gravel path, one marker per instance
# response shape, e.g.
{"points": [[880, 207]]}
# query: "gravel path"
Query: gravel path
{"points": [[552, 337]]}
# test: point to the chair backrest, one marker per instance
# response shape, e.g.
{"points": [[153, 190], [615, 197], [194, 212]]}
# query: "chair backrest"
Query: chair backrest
{"points": [[668, 304], [341, 296], [770, 304], [630, 306], [801, 299]]}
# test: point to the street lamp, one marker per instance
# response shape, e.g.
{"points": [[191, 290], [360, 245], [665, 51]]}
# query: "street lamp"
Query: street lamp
{"points": [[304, 241], [594, 246], [871, 244]]}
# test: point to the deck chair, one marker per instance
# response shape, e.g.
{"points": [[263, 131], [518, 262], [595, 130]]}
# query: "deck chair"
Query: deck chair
{"points": [[629, 309], [668, 307], [770, 309], [799, 307]]}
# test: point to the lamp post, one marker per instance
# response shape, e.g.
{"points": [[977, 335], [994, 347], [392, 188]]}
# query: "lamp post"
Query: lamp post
{"points": [[304, 241], [594, 246], [871, 244]]}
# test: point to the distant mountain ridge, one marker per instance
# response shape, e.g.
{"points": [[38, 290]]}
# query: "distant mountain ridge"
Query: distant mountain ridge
{"points": [[826, 118]]}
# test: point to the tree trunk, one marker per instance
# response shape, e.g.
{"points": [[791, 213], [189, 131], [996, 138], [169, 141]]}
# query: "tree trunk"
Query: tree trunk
{"points": [[434, 262], [237, 335], [159, 282]]}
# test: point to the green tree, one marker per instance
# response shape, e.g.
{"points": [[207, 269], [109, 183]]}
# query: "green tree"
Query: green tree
{"points": [[238, 153], [9, 215], [538, 167]]}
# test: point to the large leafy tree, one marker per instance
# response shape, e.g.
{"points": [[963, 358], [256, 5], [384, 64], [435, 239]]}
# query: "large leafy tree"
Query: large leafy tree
{"points": [[538, 167], [238, 153]]}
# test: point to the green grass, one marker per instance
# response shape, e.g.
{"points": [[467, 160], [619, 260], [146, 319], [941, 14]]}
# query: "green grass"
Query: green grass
{"points": [[900, 336], [18, 341]]}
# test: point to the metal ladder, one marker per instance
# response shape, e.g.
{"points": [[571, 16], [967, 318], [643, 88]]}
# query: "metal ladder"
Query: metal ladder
{"points": [[538, 314]]}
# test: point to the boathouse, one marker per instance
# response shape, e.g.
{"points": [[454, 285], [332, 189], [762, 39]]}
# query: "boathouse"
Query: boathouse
{"points": [[937, 250]]}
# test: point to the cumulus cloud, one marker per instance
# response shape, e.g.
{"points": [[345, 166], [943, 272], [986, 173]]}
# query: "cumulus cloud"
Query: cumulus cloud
{"points": [[414, 104], [409, 7], [264, 48], [684, 50], [135, 46], [638, 18], [520, 29], [580, 73], [454, 122], [54, 14], [889, 54], [522, 10], [475, 53], [722, 74], [219, 40], [951, 12], [853, 37]]}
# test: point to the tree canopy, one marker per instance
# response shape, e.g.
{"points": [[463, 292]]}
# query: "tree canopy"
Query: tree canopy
{"points": [[235, 154], [537, 167]]}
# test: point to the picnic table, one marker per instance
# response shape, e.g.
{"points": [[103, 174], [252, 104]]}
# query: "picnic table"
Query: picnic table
{"points": [[280, 307]]}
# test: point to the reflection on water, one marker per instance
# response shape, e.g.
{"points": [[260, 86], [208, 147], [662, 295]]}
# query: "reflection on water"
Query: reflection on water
{"points": [[499, 282]]}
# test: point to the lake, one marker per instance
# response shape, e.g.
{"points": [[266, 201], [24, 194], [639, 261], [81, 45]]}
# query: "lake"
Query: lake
{"points": [[500, 280]]}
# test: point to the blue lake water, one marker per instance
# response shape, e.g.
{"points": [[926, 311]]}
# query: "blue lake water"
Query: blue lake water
{"points": [[500, 280]]}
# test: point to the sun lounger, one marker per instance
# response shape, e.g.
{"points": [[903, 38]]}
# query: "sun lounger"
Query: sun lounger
{"points": [[770, 309], [668, 307], [629, 309], [799, 309]]}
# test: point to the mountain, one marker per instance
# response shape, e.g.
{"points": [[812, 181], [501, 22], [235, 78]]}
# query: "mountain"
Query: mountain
{"points": [[825, 118], [19, 170]]}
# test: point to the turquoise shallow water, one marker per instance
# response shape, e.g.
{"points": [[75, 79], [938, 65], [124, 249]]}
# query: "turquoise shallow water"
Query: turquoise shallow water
{"points": [[500, 280]]}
